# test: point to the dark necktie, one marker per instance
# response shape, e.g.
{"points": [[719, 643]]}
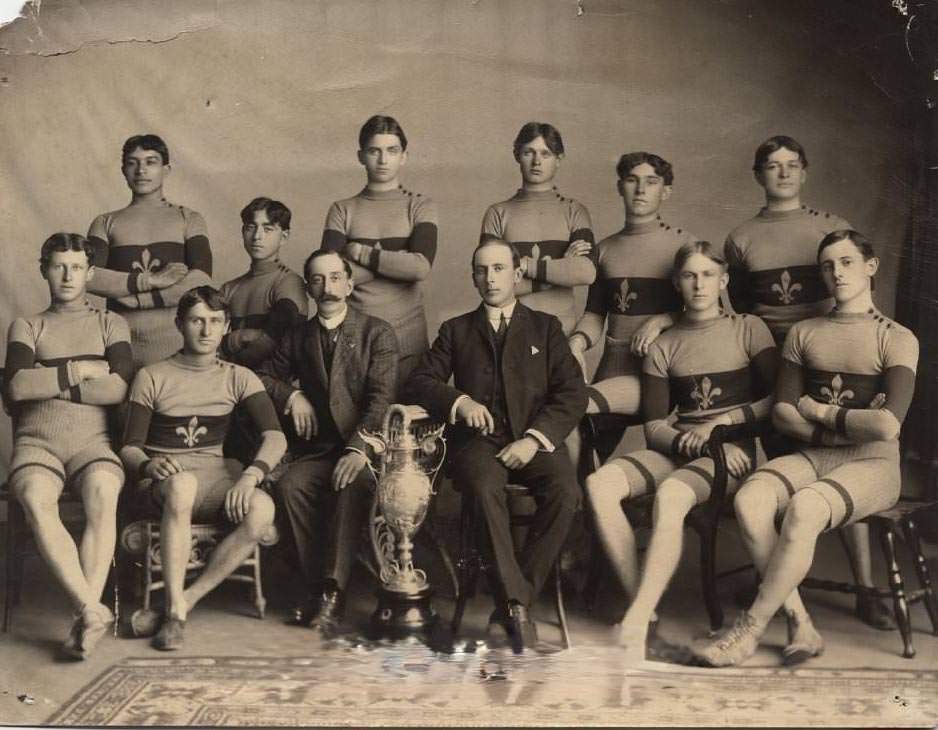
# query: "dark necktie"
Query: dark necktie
{"points": [[502, 328]]}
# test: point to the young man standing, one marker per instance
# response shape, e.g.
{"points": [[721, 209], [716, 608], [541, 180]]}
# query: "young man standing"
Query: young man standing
{"points": [[552, 233], [178, 416], [389, 236], [269, 299], [774, 274], [150, 253], [517, 392], [346, 365], [64, 366]]}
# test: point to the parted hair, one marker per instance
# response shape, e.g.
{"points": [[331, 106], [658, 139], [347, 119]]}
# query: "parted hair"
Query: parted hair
{"points": [[319, 253], [276, 211], [379, 124], [205, 294], [863, 244], [146, 142], [515, 256], [65, 242], [690, 248], [774, 144], [531, 131], [630, 160]]}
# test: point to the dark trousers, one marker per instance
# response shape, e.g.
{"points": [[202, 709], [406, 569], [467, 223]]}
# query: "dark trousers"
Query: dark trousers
{"points": [[326, 524], [552, 482]]}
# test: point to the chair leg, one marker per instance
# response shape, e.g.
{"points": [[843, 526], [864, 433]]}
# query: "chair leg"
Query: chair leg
{"points": [[595, 570], [921, 568], [558, 598], [148, 570], [888, 541], [430, 532], [260, 603], [708, 575], [468, 561]]}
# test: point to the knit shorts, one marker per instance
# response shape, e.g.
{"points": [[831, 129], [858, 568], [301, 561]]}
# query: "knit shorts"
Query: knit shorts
{"points": [[854, 486], [645, 470], [618, 360], [215, 476], [70, 467]]}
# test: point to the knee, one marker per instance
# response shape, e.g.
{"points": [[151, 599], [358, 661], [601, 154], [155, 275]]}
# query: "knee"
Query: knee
{"points": [[606, 487], [179, 492], [35, 498], [673, 500], [806, 516], [260, 515], [755, 503], [99, 495]]}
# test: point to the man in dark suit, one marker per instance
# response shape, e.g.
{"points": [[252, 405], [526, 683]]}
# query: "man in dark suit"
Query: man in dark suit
{"points": [[346, 365], [517, 393]]}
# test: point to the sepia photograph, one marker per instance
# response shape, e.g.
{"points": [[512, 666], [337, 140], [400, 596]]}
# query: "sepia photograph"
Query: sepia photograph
{"points": [[469, 363]]}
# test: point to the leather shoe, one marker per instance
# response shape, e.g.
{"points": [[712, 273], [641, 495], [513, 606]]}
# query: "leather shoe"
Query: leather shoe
{"points": [[874, 612], [521, 629], [331, 610], [171, 634]]}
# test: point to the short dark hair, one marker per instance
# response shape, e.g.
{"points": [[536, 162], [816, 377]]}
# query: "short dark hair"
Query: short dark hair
{"points": [[774, 144], [205, 294], [65, 242], [146, 142], [276, 211], [515, 256], [631, 160], [863, 244], [319, 253], [379, 124], [531, 131], [690, 248]]}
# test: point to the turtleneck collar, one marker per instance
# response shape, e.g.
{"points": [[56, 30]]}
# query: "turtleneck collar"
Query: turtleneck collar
{"points": [[73, 307], [382, 194], [780, 215], [259, 268], [637, 229], [699, 324], [192, 362], [846, 317], [523, 194]]}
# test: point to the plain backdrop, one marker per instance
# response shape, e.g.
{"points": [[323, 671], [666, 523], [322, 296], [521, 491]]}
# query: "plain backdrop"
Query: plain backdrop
{"points": [[266, 98]]}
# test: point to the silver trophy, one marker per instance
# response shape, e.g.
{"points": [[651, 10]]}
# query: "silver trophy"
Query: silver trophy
{"points": [[409, 451]]}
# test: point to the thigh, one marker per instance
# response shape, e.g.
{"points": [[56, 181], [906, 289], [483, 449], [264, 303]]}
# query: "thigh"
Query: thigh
{"points": [[95, 458], [476, 467], [306, 475], [698, 474], [858, 489], [644, 470], [30, 461], [547, 472], [783, 476], [620, 394]]}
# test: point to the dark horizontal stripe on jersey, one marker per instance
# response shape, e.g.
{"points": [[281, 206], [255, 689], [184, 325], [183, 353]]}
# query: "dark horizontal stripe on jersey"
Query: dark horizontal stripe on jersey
{"points": [[187, 432], [550, 249], [54, 362], [639, 295], [249, 322], [151, 257], [707, 391], [802, 285], [394, 243], [848, 390]]}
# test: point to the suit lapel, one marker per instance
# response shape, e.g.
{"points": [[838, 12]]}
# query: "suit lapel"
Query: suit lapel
{"points": [[314, 345], [345, 346], [516, 339], [484, 329]]}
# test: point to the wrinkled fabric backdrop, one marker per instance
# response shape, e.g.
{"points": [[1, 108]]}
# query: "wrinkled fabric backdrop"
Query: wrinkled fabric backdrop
{"points": [[266, 98]]}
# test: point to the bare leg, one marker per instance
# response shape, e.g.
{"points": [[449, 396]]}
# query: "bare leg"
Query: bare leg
{"points": [[756, 506], [234, 549], [806, 517], [39, 494], [606, 488], [673, 501], [99, 491], [179, 493]]}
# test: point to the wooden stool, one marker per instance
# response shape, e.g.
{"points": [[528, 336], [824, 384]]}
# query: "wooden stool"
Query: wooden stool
{"points": [[141, 540], [471, 562], [898, 520]]}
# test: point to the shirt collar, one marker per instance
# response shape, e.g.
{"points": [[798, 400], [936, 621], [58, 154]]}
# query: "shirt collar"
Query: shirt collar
{"points": [[495, 313], [333, 322]]}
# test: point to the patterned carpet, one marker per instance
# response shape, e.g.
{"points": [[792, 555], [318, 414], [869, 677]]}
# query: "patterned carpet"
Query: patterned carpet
{"points": [[362, 685]]}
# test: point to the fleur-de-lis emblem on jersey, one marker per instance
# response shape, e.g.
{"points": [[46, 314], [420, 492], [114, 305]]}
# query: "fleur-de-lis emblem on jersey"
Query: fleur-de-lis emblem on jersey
{"points": [[145, 264], [786, 290], [190, 434], [704, 393], [536, 252], [625, 297], [835, 394]]}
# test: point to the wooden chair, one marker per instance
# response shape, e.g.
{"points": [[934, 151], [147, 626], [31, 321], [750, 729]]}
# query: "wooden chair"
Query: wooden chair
{"points": [[472, 563]]}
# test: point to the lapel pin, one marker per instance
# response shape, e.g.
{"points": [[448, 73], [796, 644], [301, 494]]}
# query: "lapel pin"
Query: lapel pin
{"points": [[534, 350]]}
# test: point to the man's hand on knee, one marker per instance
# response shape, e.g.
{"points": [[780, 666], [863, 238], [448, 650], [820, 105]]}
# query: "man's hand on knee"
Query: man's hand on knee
{"points": [[347, 469], [238, 498], [518, 453], [162, 467]]}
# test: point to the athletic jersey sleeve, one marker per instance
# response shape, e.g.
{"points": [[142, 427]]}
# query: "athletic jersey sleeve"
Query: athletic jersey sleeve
{"points": [[290, 309], [112, 388], [571, 271], [493, 225], [763, 368], [107, 282], [412, 264], [137, 426], [198, 249], [261, 410], [739, 293], [656, 402], [22, 379], [335, 230]]}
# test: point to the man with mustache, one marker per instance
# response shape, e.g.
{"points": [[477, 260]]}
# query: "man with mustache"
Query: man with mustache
{"points": [[346, 364]]}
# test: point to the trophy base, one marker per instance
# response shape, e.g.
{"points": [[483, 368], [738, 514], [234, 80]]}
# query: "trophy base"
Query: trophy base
{"points": [[399, 615]]}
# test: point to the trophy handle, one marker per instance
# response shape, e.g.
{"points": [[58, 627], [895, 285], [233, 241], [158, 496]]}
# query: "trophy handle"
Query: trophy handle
{"points": [[435, 470]]}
